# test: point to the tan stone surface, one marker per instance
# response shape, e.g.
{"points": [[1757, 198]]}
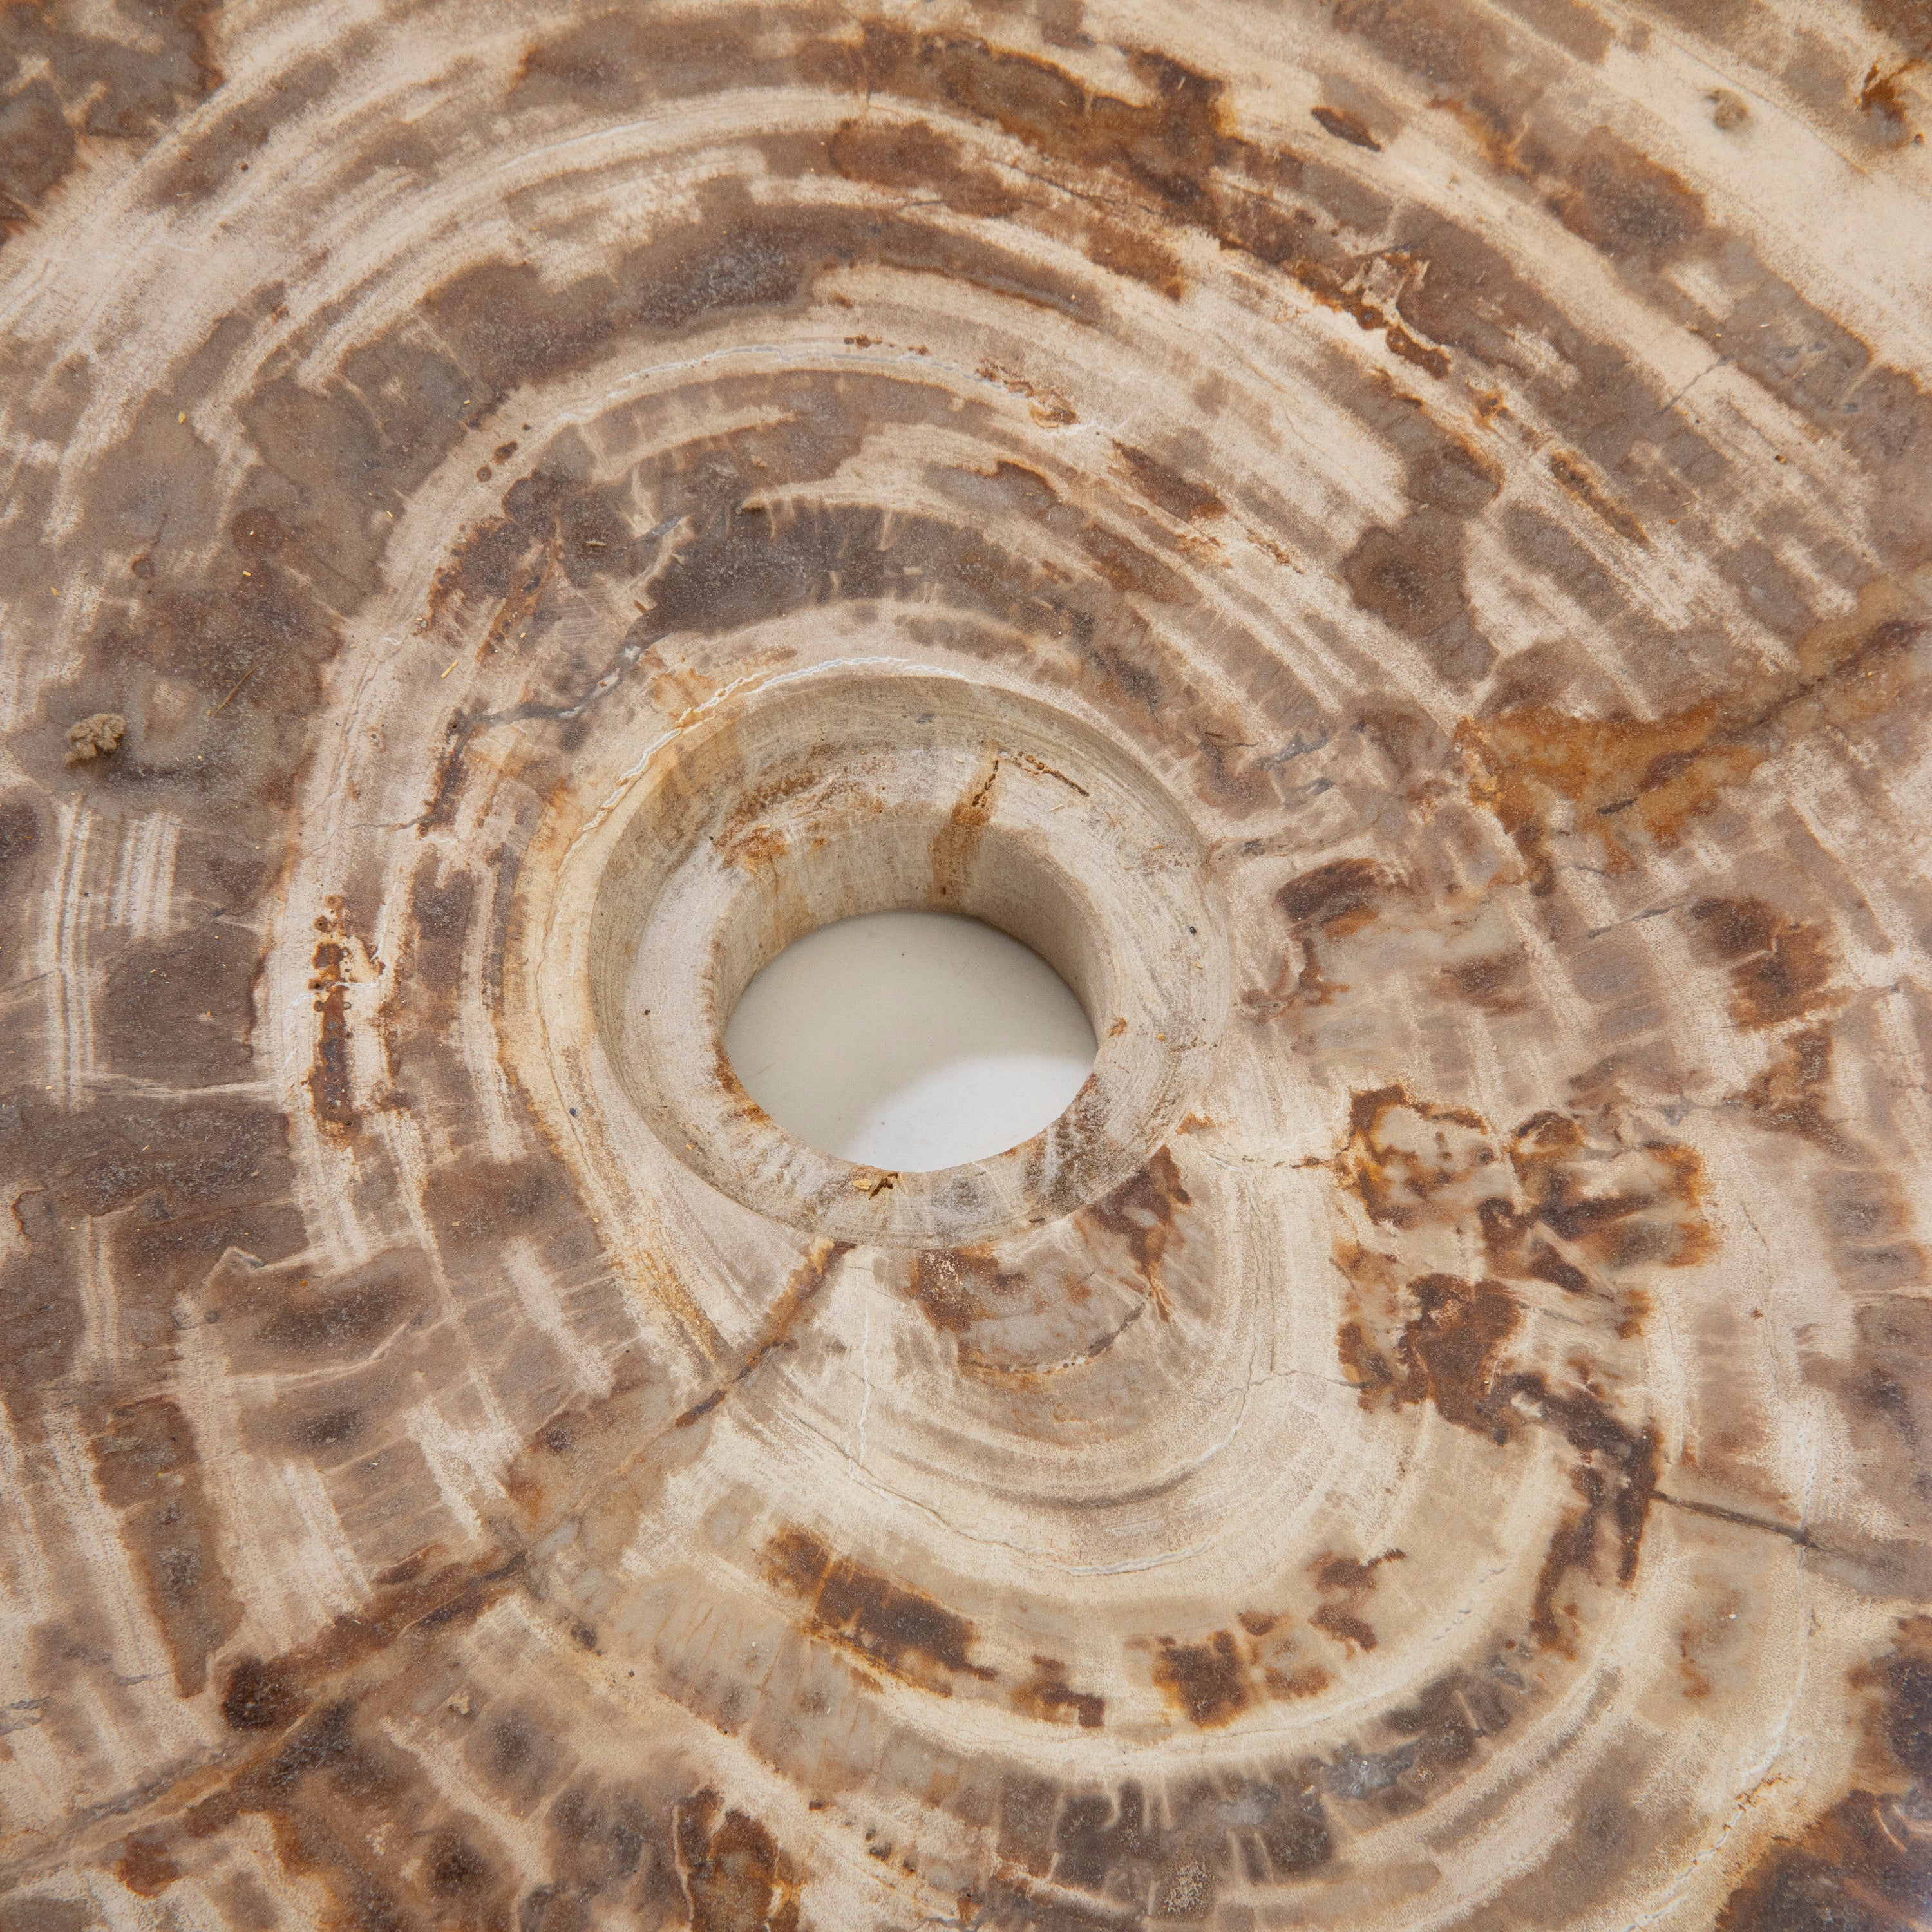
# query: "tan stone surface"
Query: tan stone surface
{"points": [[1389, 540]]}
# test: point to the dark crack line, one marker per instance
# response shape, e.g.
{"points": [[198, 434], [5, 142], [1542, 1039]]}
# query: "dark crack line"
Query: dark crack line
{"points": [[626, 660], [1743, 1519]]}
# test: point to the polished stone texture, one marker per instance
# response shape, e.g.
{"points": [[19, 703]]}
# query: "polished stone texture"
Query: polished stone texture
{"points": [[1389, 540]]}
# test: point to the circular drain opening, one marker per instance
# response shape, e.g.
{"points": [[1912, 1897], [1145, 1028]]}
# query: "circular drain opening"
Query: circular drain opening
{"points": [[911, 1041], [847, 794]]}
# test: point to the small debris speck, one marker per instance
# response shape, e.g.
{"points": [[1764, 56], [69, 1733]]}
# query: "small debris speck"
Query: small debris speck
{"points": [[95, 737]]}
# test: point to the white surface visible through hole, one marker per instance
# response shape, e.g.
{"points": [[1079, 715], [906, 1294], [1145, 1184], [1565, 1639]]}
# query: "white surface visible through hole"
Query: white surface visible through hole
{"points": [[909, 1040]]}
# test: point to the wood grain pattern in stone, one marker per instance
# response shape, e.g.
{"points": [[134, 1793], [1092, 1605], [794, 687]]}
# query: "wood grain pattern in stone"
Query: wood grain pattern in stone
{"points": [[1388, 539]]}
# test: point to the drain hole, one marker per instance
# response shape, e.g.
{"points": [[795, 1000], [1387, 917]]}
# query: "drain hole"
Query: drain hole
{"points": [[909, 1040]]}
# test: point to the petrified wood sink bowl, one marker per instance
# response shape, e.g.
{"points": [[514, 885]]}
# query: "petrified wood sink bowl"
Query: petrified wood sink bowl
{"points": [[1388, 542]]}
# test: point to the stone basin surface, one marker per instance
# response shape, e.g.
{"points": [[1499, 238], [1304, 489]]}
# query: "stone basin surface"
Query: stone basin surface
{"points": [[1390, 540]]}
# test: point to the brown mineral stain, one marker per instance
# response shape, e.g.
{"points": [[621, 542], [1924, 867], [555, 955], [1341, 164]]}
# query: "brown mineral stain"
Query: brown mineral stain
{"points": [[1580, 28], [201, 1177], [1346, 126], [1653, 1214], [1180, 495], [322, 1789], [734, 1877], [147, 1465], [897, 1629], [1496, 983], [956, 1287], [1345, 1584], [1615, 1481], [1205, 1682], [317, 1320], [727, 569], [1453, 50], [1658, 774], [1880, 95], [912, 156], [1144, 1211], [301, 1759], [1159, 1851], [35, 1912], [1331, 902], [1047, 1695], [1123, 250], [259, 1697], [1881, 1389], [1451, 1349], [1410, 576], [1789, 1096], [145, 1866], [1345, 1625], [1904, 20], [1393, 1180], [1451, 1345], [1861, 1863], [429, 977], [1779, 966], [1307, 1680], [1569, 470], [1446, 1724], [253, 633], [179, 1011], [474, 1207], [115, 93], [1625, 204], [268, 1695], [1337, 898], [40, 1304], [1129, 567], [1163, 145], [330, 1078], [956, 847], [19, 839], [1176, 152]]}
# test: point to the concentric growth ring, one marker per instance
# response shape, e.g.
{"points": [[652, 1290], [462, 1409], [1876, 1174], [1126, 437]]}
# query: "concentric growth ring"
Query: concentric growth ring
{"points": [[1386, 540]]}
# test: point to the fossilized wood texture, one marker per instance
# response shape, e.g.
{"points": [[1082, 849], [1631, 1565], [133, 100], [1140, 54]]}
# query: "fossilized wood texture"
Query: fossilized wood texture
{"points": [[1391, 539]]}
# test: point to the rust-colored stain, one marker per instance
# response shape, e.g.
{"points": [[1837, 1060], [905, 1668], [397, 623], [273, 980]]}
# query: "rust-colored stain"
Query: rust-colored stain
{"points": [[956, 1287], [902, 1631], [1779, 966], [330, 1078], [733, 1873], [492, 493], [1145, 1212], [1211, 1682], [1858, 1857], [1625, 775], [1205, 1682], [1461, 1345], [955, 848], [1346, 125], [1879, 92], [1571, 472], [1048, 1695], [1345, 1584]]}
